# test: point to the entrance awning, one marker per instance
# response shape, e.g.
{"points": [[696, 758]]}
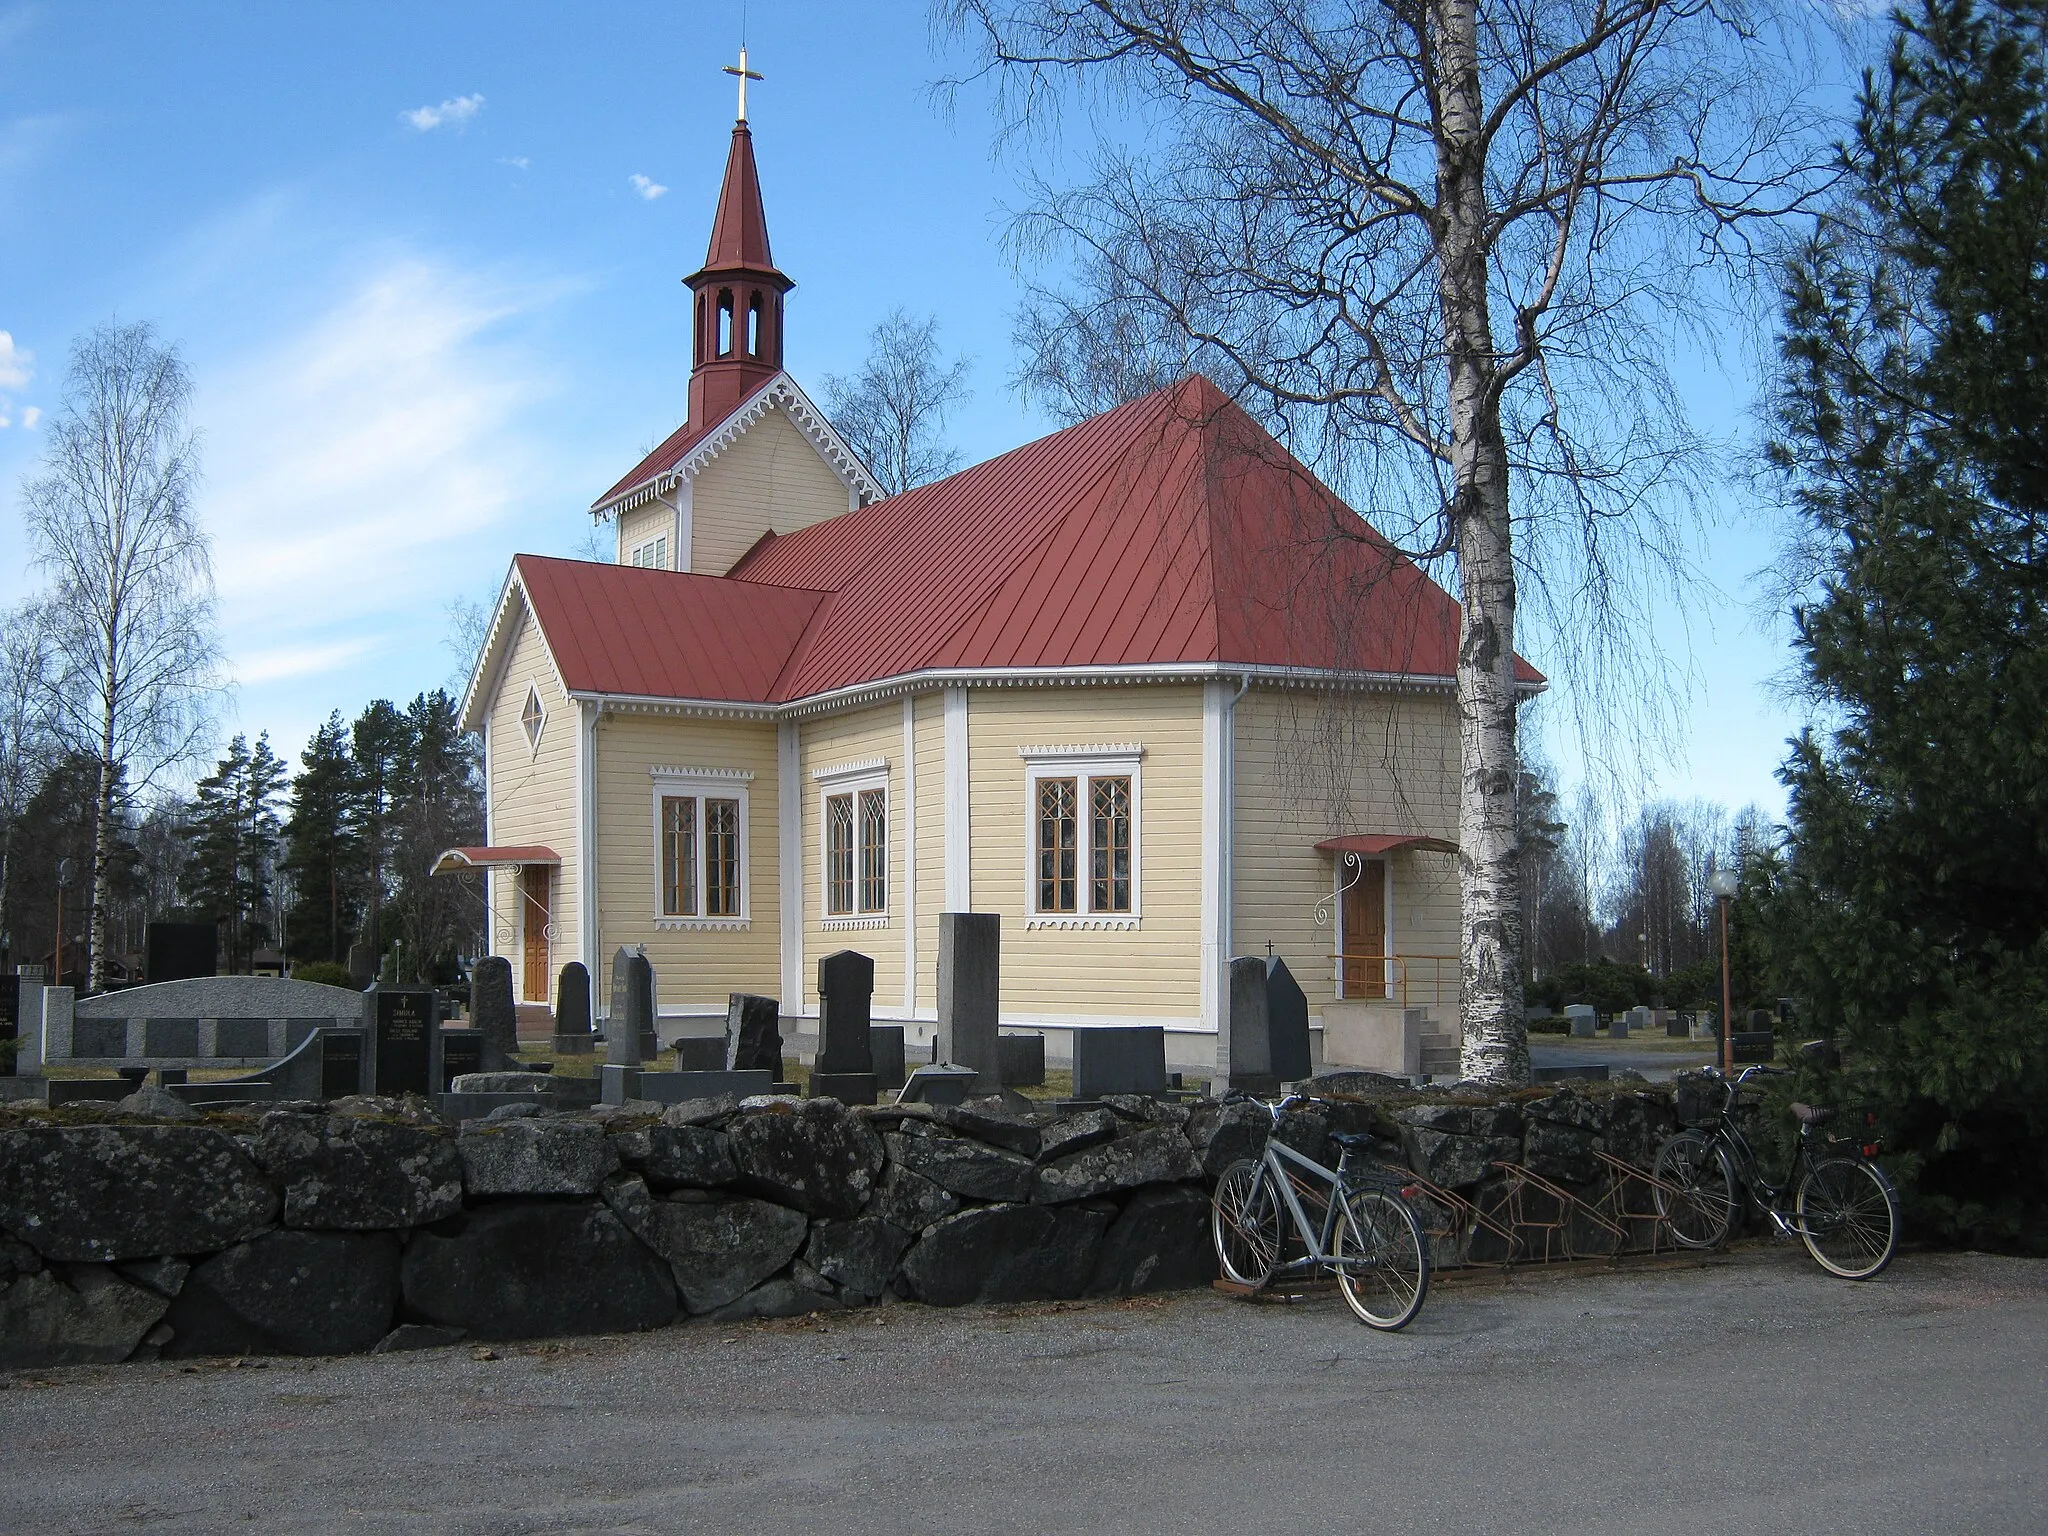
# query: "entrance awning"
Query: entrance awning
{"points": [[456, 860], [1370, 844]]}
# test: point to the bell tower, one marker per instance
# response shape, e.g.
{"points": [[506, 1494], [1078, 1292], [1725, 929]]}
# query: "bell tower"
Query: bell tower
{"points": [[736, 296]]}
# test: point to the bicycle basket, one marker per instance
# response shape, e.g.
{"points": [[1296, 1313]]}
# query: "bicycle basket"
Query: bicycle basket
{"points": [[1699, 1100]]}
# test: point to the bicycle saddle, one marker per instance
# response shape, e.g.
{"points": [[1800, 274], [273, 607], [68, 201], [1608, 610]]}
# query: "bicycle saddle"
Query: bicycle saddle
{"points": [[1354, 1139], [1811, 1114]]}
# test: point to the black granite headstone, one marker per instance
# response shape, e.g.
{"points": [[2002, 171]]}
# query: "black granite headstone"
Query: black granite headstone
{"points": [[885, 1048], [846, 989], [492, 1012], [1250, 1055], [1023, 1058], [408, 1035], [10, 1021], [700, 1053], [1287, 1022], [464, 1051], [753, 1034], [572, 1011], [845, 1068], [1119, 1058], [341, 1064]]}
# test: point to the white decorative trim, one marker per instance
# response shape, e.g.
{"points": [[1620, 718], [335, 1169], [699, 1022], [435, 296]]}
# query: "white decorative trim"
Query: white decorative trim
{"points": [[789, 844], [686, 522], [703, 924], [710, 775], [959, 873], [587, 936], [1129, 749], [908, 879], [873, 920], [1215, 896], [783, 393], [1106, 921], [866, 767]]}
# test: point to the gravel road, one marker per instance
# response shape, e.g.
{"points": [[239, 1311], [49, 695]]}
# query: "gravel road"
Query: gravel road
{"points": [[1749, 1394]]}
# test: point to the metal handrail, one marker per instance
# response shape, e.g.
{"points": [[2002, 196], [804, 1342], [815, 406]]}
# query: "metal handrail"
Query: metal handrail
{"points": [[1397, 977]]}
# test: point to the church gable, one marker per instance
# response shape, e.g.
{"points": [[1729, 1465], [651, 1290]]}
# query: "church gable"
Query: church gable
{"points": [[771, 480]]}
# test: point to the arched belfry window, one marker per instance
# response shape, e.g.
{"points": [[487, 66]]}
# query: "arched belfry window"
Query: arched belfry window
{"points": [[754, 323], [724, 321], [703, 335]]}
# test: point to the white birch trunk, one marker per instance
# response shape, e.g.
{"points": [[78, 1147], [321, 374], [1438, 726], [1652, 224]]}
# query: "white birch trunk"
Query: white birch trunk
{"points": [[1496, 1043]]}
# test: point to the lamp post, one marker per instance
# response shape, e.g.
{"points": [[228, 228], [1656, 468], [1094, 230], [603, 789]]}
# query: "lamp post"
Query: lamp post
{"points": [[1724, 885], [65, 869]]}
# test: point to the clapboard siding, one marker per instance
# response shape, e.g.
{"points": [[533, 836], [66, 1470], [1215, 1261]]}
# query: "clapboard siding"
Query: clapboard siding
{"points": [[694, 968], [772, 478], [655, 520], [833, 742], [931, 842], [1049, 973], [533, 796], [1310, 767]]}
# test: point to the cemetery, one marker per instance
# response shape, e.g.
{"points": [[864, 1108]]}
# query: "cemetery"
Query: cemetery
{"points": [[331, 1205]]}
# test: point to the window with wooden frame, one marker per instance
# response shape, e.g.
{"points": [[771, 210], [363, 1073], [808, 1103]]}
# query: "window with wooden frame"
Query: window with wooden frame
{"points": [[653, 554], [533, 716], [700, 829], [854, 843], [1082, 813]]}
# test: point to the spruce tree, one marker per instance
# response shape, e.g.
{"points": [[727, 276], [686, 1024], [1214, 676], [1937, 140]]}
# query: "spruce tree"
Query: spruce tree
{"points": [[320, 849], [234, 834], [381, 740], [1912, 912]]}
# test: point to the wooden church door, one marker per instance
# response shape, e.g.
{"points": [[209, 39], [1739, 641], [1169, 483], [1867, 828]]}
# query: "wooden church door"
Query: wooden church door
{"points": [[1365, 932], [533, 889]]}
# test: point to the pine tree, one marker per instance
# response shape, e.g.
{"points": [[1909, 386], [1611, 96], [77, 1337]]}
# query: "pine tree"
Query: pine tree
{"points": [[380, 739], [1912, 913], [438, 804], [234, 833], [320, 849]]}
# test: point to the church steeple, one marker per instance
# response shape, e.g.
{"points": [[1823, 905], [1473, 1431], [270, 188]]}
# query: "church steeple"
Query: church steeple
{"points": [[736, 296]]}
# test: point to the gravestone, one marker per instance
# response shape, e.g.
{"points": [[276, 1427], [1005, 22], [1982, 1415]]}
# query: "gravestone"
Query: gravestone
{"points": [[1250, 1068], [362, 966], [632, 1015], [464, 1051], [845, 1067], [492, 1013], [573, 1035], [1675, 1026], [1287, 1023], [341, 1064], [1122, 1058], [1635, 1022], [970, 993], [885, 1048], [700, 1053], [10, 1022], [753, 1034], [1023, 1060], [1583, 1019], [180, 951], [28, 1056], [406, 1028]]}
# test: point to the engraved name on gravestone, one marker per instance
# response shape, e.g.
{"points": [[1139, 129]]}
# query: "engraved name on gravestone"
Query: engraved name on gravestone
{"points": [[408, 1040], [632, 1008]]}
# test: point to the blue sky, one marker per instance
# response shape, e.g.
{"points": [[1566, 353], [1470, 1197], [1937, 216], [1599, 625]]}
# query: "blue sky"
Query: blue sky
{"points": [[423, 261]]}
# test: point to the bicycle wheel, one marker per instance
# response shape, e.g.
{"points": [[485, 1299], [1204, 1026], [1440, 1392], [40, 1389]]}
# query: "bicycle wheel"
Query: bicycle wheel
{"points": [[1244, 1219], [1382, 1259], [1848, 1217], [1695, 1191]]}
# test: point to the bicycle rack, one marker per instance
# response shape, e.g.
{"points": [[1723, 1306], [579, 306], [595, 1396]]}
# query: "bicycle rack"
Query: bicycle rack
{"points": [[1615, 1204], [1561, 1224]]}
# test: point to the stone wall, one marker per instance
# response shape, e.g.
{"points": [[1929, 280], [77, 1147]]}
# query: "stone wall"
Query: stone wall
{"points": [[371, 1224]]}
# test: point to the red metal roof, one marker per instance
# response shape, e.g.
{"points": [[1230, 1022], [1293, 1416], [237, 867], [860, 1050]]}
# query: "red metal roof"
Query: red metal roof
{"points": [[662, 634], [739, 230], [1370, 843], [1170, 530]]}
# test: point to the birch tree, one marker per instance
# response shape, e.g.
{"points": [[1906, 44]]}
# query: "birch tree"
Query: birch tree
{"points": [[130, 602], [1447, 246], [893, 411]]}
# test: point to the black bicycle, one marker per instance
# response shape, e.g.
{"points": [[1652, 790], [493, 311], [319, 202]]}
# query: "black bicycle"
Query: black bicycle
{"points": [[1842, 1206]]}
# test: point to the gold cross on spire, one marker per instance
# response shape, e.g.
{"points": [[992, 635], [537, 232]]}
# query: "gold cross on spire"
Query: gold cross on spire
{"points": [[745, 75]]}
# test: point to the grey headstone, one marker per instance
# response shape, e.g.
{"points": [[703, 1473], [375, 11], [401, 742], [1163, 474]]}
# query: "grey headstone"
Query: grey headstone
{"points": [[362, 966], [970, 993], [846, 989], [1250, 1066], [753, 1034], [1123, 1058], [1582, 1019], [1287, 1022], [632, 1008], [492, 1013]]}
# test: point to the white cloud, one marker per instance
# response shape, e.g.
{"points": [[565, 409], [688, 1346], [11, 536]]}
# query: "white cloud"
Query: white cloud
{"points": [[517, 162], [456, 112], [646, 186], [30, 415], [17, 364], [289, 661]]}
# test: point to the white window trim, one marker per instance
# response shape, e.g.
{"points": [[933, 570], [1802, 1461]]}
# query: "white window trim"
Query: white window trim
{"points": [[702, 784], [1083, 763], [853, 779], [533, 738], [658, 544]]}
